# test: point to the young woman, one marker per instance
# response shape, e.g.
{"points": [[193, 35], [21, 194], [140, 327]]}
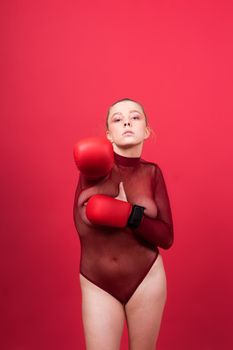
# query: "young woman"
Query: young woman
{"points": [[122, 274]]}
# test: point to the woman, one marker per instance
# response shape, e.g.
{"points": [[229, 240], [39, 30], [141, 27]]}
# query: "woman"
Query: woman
{"points": [[122, 274]]}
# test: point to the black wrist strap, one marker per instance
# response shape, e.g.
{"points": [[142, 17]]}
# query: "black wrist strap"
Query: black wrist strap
{"points": [[135, 217]]}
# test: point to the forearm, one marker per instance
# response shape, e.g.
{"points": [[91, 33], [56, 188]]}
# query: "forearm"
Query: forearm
{"points": [[156, 232]]}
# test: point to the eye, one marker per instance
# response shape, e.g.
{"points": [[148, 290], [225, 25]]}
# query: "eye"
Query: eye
{"points": [[136, 116], [116, 120]]}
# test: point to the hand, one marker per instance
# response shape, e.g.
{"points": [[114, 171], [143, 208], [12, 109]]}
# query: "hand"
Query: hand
{"points": [[121, 195]]}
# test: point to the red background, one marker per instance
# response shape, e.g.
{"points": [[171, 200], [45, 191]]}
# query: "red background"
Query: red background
{"points": [[62, 64]]}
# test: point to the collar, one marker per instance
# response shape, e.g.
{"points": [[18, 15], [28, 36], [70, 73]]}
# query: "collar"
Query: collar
{"points": [[126, 161]]}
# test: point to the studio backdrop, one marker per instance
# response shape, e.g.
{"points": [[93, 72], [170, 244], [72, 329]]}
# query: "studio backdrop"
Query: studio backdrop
{"points": [[62, 64]]}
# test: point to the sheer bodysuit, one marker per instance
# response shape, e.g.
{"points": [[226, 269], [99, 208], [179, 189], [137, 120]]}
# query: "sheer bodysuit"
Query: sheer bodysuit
{"points": [[118, 259]]}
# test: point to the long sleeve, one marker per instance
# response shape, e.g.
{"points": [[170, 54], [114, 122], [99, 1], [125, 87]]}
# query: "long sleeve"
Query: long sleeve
{"points": [[85, 189], [159, 230], [75, 204]]}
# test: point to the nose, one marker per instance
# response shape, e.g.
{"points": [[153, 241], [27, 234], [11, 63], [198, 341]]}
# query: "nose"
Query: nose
{"points": [[126, 123]]}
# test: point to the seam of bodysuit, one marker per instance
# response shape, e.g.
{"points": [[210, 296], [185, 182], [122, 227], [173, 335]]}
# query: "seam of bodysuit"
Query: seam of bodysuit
{"points": [[96, 284], [146, 271]]}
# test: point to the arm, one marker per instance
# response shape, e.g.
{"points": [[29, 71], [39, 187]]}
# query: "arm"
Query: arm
{"points": [[159, 230], [94, 157], [75, 204], [85, 189]]}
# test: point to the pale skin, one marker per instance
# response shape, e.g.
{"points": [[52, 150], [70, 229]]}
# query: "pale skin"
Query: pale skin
{"points": [[103, 315]]}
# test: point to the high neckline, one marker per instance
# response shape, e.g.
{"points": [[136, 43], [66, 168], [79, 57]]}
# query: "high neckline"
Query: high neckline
{"points": [[126, 161]]}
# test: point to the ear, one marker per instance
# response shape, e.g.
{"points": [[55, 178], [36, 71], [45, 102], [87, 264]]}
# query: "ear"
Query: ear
{"points": [[108, 135], [147, 132]]}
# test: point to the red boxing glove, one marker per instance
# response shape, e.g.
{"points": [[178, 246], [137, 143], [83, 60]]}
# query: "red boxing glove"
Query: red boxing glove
{"points": [[108, 211], [94, 156]]}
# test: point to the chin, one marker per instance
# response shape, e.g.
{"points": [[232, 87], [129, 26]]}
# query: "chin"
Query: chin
{"points": [[127, 144]]}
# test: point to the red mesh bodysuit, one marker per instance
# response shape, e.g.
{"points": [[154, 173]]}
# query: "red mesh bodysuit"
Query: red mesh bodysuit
{"points": [[118, 259]]}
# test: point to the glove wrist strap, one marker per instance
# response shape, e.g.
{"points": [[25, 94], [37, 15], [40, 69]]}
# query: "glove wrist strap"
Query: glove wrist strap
{"points": [[135, 217]]}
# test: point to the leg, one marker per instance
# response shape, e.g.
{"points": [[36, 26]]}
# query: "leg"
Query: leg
{"points": [[103, 317], [144, 309]]}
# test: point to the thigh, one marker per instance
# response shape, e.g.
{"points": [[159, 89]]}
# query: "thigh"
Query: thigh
{"points": [[144, 309], [103, 317]]}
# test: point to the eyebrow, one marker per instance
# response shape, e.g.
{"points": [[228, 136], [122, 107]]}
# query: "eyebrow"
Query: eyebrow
{"points": [[132, 110]]}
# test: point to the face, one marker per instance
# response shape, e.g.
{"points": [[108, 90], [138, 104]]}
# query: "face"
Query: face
{"points": [[127, 116]]}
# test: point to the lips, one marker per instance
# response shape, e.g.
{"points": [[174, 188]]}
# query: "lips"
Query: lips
{"points": [[128, 132]]}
